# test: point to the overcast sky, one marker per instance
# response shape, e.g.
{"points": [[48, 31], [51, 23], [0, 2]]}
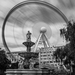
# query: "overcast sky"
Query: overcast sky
{"points": [[26, 17]]}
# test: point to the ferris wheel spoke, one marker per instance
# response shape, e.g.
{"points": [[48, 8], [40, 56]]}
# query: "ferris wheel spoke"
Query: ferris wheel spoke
{"points": [[28, 15]]}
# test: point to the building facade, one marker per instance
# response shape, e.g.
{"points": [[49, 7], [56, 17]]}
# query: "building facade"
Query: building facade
{"points": [[46, 57]]}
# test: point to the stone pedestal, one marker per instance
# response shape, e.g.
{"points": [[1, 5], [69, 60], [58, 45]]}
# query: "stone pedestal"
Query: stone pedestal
{"points": [[27, 72]]}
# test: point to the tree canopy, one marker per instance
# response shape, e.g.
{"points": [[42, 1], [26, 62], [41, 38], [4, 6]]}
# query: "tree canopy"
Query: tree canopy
{"points": [[68, 51], [3, 60]]}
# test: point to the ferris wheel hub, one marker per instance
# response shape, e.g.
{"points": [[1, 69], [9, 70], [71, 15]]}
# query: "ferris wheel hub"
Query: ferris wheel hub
{"points": [[43, 30]]}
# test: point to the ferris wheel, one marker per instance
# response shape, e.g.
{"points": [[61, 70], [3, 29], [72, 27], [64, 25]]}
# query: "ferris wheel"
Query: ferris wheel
{"points": [[34, 16]]}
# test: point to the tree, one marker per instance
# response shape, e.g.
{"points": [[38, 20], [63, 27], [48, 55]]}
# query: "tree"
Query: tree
{"points": [[4, 62], [60, 54], [69, 49], [69, 34]]}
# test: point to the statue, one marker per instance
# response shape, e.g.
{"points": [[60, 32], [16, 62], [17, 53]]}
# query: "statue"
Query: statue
{"points": [[28, 42], [28, 36]]}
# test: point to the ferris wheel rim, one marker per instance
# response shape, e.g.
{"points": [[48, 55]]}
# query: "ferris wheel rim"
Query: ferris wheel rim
{"points": [[25, 3]]}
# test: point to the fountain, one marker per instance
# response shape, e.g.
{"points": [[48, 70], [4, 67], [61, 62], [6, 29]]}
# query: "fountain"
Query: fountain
{"points": [[28, 54]]}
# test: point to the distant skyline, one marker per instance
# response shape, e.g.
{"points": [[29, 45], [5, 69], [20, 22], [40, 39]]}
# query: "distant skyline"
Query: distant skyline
{"points": [[66, 6]]}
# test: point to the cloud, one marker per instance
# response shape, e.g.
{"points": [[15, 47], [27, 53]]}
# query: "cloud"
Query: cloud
{"points": [[69, 4], [67, 7], [55, 38], [64, 6], [29, 15], [34, 13], [5, 6]]}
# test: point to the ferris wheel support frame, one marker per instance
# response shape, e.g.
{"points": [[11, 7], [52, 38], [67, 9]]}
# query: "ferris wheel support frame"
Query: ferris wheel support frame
{"points": [[44, 40]]}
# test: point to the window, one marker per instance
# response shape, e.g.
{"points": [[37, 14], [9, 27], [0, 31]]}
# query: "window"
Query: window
{"points": [[41, 52], [41, 55], [44, 58], [55, 64], [51, 54], [48, 55], [44, 62], [44, 55], [41, 58], [53, 58], [40, 62], [50, 58], [54, 61], [50, 51], [47, 61], [51, 62]]}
